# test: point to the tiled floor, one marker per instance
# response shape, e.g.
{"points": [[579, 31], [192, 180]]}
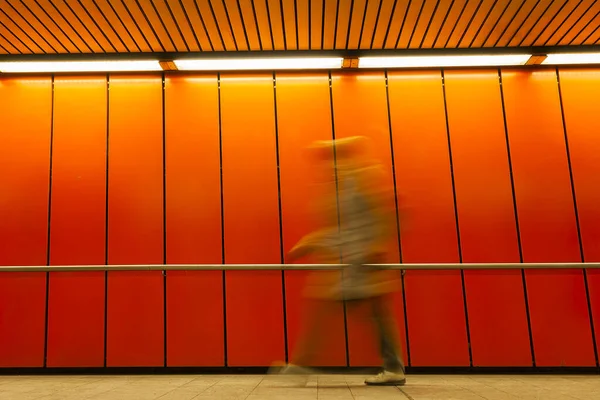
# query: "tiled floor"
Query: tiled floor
{"points": [[322, 387]]}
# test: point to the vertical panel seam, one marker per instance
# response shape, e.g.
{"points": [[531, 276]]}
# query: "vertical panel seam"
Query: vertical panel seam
{"points": [[106, 221], [164, 160], [456, 217], [516, 213], [576, 209], [338, 207], [281, 255], [224, 273], [49, 230], [403, 272]]}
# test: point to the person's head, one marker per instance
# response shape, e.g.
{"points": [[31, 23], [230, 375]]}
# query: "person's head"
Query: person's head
{"points": [[350, 152]]}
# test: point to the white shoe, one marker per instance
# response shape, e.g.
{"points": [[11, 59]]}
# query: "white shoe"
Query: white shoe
{"points": [[387, 378]]}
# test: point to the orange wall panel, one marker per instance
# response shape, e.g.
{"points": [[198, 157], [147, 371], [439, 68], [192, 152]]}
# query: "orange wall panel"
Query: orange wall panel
{"points": [[254, 299], [195, 324], [560, 322], [498, 324], [25, 112], [434, 299], [579, 88], [303, 116], [360, 108], [78, 222], [135, 221]]}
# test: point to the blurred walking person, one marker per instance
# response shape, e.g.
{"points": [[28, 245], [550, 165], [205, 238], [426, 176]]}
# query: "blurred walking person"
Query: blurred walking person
{"points": [[366, 221]]}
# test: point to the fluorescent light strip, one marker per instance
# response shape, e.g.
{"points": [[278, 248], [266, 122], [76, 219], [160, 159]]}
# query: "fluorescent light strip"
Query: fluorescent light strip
{"points": [[572, 58], [228, 64], [442, 61], [79, 66]]}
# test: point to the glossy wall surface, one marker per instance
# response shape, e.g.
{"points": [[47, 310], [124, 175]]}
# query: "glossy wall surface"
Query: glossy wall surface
{"points": [[487, 165]]}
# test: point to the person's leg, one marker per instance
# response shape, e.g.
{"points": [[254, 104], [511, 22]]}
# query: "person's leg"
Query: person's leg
{"points": [[389, 344]]}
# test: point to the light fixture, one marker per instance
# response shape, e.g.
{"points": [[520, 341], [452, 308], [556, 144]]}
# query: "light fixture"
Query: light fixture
{"points": [[79, 66], [572, 58], [443, 61], [228, 64]]}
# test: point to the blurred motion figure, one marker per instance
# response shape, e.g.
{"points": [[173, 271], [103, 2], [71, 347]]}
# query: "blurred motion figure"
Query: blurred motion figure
{"points": [[365, 223]]}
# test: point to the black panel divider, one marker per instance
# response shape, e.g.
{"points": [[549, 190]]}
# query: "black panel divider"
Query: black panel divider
{"points": [[222, 223], [49, 225], [338, 203], [106, 221], [456, 218], [517, 225], [573, 191], [164, 160], [389, 113], [281, 255]]}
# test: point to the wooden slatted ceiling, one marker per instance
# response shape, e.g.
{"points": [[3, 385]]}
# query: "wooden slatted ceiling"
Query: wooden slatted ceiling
{"points": [[122, 26]]}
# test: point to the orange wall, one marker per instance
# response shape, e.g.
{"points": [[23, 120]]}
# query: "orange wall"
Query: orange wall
{"points": [[488, 166]]}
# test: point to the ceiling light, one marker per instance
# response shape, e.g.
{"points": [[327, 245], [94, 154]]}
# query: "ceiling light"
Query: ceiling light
{"points": [[259, 63], [442, 61], [572, 58], [79, 66]]}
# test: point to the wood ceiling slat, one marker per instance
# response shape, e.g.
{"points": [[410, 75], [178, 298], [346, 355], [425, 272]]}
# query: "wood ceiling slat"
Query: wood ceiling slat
{"points": [[143, 24], [17, 31], [316, 23], [356, 23], [528, 24], [237, 24], [567, 25], [396, 24], [580, 24], [511, 13], [409, 24], [383, 23], [204, 12], [24, 18], [63, 22], [303, 23], [264, 24], [343, 22], [556, 23], [173, 28], [424, 23], [249, 19], [588, 30], [330, 14], [232, 42], [12, 42], [456, 12], [122, 26], [4, 50], [369, 27], [517, 22], [289, 23], [184, 22], [594, 38], [464, 22], [548, 17], [486, 20], [93, 17], [157, 24], [50, 20], [278, 34], [441, 14], [95, 45]]}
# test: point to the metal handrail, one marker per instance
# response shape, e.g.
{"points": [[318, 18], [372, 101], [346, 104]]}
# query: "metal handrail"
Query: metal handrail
{"points": [[292, 267]]}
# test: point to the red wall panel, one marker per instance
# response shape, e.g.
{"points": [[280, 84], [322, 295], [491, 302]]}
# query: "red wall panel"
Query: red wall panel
{"points": [[135, 322], [78, 222], [297, 97], [254, 302], [360, 108], [495, 299], [560, 321], [434, 299], [25, 112], [579, 88], [195, 324]]}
